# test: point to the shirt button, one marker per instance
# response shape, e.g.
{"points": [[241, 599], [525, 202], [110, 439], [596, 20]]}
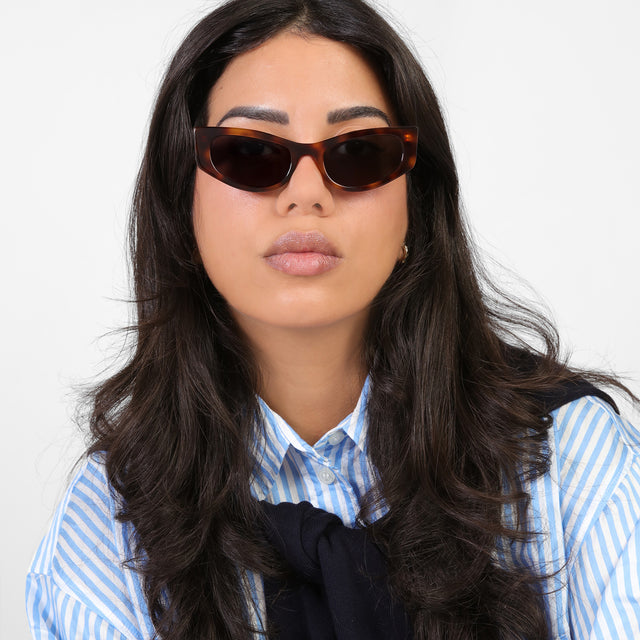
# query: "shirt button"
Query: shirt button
{"points": [[326, 476], [336, 437]]}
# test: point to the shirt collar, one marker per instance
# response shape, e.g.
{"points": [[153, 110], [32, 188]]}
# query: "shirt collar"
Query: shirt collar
{"points": [[276, 436]]}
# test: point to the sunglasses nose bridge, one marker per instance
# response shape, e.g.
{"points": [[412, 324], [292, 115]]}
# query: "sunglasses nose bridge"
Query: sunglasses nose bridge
{"points": [[315, 150]]}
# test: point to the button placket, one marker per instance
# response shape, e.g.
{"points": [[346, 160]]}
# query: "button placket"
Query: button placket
{"points": [[326, 476]]}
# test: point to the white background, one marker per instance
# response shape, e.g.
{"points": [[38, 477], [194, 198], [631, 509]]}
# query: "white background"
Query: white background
{"points": [[542, 101]]}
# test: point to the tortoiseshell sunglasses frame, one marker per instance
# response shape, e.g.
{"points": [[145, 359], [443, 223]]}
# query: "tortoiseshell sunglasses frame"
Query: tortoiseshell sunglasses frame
{"points": [[205, 135]]}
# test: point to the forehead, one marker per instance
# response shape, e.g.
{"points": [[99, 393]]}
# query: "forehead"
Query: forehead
{"points": [[302, 75]]}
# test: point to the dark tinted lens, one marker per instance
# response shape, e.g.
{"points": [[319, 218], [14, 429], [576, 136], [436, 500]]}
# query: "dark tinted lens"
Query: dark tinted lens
{"points": [[249, 161], [364, 160]]}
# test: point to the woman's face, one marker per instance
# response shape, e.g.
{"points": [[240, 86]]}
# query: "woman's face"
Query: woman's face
{"points": [[253, 245]]}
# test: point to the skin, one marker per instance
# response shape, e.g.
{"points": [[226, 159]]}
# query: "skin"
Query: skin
{"points": [[306, 331]]}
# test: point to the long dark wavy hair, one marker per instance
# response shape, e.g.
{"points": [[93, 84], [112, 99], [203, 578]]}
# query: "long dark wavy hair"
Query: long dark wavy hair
{"points": [[455, 422]]}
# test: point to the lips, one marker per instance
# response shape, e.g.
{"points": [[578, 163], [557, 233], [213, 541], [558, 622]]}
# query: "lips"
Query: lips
{"points": [[302, 254]]}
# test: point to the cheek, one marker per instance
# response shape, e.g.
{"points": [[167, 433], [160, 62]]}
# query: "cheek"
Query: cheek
{"points": [[378, 233], [386, 220], [220, 224]]}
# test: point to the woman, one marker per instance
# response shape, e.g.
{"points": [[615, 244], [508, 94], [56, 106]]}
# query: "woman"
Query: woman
{"points": [[311, 329]]}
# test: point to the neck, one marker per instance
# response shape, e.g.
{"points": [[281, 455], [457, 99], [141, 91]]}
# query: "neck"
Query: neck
{"points": [[311, 377]]}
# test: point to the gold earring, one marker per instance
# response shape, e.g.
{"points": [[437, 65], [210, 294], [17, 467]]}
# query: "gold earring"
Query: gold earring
{"points": [[405, 253]]}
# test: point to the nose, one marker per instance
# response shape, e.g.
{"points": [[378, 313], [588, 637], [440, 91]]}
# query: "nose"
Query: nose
{"points": [[307, 191]]}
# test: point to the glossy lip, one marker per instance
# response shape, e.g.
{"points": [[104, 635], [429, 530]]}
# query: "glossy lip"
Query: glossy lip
{"points": [[301, 253]]}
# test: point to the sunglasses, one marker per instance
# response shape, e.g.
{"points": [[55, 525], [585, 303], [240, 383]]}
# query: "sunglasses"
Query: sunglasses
{"points": [[355, 161]]}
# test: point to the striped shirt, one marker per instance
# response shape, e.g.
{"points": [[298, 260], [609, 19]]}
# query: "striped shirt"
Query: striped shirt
{"points": [[586, 509]]}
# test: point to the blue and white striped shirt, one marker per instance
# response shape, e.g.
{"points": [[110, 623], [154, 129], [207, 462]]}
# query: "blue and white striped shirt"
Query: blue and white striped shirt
{"points": [[586, 507]]}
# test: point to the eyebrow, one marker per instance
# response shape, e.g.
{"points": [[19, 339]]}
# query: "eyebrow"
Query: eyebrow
{"points": [[256, 113], [351, 113], [281, 117]]}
